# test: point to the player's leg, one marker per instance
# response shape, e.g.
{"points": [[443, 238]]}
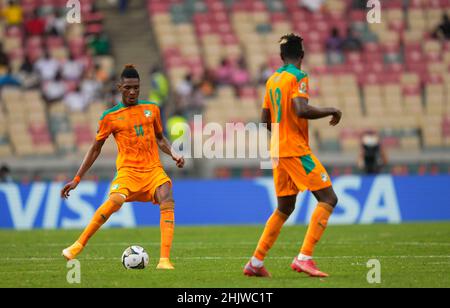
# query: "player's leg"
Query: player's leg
{"points": [[307, 171], [327, 201], [286, 206], [164, 197], [112, 205], [287, 195]]}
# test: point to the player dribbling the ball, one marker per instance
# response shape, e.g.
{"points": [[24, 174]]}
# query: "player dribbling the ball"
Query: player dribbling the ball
{"points": [[137, 129]]}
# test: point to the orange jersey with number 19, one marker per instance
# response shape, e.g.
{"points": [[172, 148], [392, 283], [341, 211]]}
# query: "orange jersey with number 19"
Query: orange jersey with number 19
{"points": [[285, 84]]}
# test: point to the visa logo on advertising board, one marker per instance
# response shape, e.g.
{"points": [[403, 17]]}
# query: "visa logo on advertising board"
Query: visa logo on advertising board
{"points": [[381, 202]]}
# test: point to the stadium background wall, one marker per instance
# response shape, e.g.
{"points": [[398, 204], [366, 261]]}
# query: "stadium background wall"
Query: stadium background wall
{"points": [[362, 200]]}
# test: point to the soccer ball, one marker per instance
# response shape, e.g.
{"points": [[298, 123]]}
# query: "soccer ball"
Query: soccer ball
{"points": [[135, 257]]}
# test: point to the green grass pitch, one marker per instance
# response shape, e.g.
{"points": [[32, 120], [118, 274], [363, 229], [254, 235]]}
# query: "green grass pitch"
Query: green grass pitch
{"points": [[411, 255]]}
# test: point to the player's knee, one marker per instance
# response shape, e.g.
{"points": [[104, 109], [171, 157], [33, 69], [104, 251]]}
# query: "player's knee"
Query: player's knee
{"points": [[287, 209], [167, 205], [332, 200], [117, 199]]}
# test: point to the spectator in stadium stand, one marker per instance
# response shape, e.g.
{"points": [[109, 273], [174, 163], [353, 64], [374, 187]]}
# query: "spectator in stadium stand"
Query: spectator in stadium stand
{"points": [[359, 4], [239, 75], [9, 79], [54, 90], [208, 83], [264, 74], [159, 90], [4, 59], [72, 69], [123, 6], [223, 73], [443, 29], [35, 25], [312, 5], [90, 87], [99, 44], [183, 92], [75, 100], [333, 46], [196, 102], [351, 42], [27, 75], [159, 86], [56, 23], [13, 13], [5, 174], [372, 156], [176, 118], [101, 75], [47, 67]]}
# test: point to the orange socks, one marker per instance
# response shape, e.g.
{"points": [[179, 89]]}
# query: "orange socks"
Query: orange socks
{"points": [[317, 226], [167, 225], [100, 217], [270, 234]]}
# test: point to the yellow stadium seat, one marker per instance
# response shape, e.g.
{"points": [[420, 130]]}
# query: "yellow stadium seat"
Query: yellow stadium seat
{"points": [[413, 104], [432, 47], [5, 151], [413, 36], [410, 79]]}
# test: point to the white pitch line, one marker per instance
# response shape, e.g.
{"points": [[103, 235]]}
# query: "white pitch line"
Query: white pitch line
{"points": [[422, 243], [229, 243], [8, 259]]}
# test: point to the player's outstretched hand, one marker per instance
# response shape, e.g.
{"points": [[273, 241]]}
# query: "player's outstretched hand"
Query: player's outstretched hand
{"points": [[69, 186], [179, 160], [336, 118]]}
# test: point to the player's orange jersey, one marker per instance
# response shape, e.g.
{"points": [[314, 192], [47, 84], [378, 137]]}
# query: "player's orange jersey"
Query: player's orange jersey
{"points": [[134, 130], [285, 84]]}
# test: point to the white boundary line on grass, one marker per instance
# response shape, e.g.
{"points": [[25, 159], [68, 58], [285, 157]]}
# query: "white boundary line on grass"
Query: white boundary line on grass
{"points": [[7, 259], [62, 245]]}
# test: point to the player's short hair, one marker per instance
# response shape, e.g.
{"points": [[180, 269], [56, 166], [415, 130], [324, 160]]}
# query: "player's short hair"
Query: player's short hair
{"points": [[291, 47], [129, 71]]}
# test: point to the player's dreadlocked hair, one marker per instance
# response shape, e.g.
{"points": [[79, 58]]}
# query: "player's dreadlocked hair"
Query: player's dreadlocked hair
{"points": [[130, 71], [291, 47]]}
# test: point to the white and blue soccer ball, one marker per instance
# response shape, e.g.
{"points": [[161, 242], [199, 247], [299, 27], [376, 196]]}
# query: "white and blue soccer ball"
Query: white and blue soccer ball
{"points": [[135, 257]]}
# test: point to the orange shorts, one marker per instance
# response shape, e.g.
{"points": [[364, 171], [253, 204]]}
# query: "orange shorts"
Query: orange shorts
{"points": [[139, 186], [295, 174]]}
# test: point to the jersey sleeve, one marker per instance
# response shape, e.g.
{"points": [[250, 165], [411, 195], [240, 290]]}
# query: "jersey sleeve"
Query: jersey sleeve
{"points": [[104, 129], [158, 123], [301, 88]]}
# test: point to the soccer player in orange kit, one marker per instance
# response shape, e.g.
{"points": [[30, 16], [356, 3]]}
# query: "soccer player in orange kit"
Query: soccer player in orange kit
{"points": [[286, 103], [137, 128]]}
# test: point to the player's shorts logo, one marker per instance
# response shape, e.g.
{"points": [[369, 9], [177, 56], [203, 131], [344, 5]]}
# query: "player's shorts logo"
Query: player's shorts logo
{"points": [[147, 113], [115, 186], [324, 177]]}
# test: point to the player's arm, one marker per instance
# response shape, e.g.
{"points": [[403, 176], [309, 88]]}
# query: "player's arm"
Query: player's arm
{"points": [[89, 159], [166, 147], [306, 111], [266, 118]]}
